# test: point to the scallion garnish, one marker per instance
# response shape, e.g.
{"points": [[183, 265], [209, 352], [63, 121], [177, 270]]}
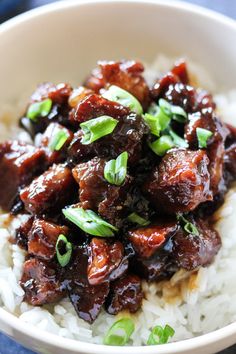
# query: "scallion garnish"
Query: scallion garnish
{"points": [[96, 128], [64, 258], [39, 109], [177, 140], [203, 135], [115, 170], [162, 145], [179, 114], [120, 332], [165, 107], [189, 227], [160, 335], [153, 124], [135, 218], [58, 140], [89, 222], [117, 94]]}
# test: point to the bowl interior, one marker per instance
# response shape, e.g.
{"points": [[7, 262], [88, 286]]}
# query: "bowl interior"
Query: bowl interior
{"points": [[62, 42]]}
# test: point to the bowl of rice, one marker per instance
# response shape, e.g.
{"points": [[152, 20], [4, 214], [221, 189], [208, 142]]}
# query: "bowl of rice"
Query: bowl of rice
{"points": [[62, 42]]}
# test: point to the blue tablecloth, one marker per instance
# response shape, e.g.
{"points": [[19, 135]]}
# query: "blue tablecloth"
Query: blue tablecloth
{"points": [[13, 7]]}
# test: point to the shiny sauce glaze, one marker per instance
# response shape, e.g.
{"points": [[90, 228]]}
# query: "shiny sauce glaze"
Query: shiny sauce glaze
{"points": [[150, 219]]}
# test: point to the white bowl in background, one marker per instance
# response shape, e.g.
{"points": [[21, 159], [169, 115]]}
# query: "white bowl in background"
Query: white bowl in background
{"points": [[62, 42]]}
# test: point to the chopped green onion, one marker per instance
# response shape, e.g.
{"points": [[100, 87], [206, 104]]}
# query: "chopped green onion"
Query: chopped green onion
{"points": [[160, 335], [63, 259], [203, 135], [189, 227], [165, 107], [162, 145], [58, 140], [163, 120], [135, 218], [120, 332], [117, 94], [96, 128], [179, 114], [89, 222], [115, 170], [178, 141], [39, 109], [153, 124]]}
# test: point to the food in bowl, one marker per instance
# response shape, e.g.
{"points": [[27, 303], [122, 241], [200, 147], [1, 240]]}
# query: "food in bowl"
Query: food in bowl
{"points": [[112, 207]]}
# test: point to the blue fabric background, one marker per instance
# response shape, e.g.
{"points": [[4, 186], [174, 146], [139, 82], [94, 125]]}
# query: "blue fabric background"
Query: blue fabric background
{"points": [[9, 8]]}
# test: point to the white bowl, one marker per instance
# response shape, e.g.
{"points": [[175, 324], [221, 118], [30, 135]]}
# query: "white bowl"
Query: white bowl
{"points": [[62, 42]]}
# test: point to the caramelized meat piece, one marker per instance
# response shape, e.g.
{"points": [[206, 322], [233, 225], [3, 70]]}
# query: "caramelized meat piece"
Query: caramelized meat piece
{"points": [[125, 74], [53, 155], [178, 74], [49, 192], [147, 240], [22, 233], [190, 251], [40, 283], [104, 258], [93, 106], [157, 267], [181, 182], [230, 161], [97, 194], [215, 144], [57, 93], [87, 299], [19, 163], [127, 136], [78, 95], [125, 294], [42, 238]]}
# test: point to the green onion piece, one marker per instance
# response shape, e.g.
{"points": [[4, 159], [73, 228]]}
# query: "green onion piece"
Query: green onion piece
{"points": [[162, 145], [115, 170], [89, 222], [189, 227], [153, 123], [39, 109], [178, 141], [135, 218], [203, 135], [58, 140], [120, 332], [96, 128], [160, 335], [179, 114], [165, 107], [63, 259], [117, 94], [163, 120]]}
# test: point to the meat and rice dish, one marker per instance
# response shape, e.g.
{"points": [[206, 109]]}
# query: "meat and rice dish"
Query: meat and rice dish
{"points": [[119, 186]]}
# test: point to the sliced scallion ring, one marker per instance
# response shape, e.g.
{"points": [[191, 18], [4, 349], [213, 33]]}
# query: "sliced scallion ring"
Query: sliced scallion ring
{"points": [[178, 141], [203, 135], [58, 140], [89, 222], [64, 258], [39, 109], [160, 335], [120, 332], [117, 94], [189, 227], [162, 145], [135, 218], [115, 170], [96, 128]]}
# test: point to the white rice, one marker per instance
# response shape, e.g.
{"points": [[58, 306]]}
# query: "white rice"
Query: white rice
{"points": [[193, 304]]}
